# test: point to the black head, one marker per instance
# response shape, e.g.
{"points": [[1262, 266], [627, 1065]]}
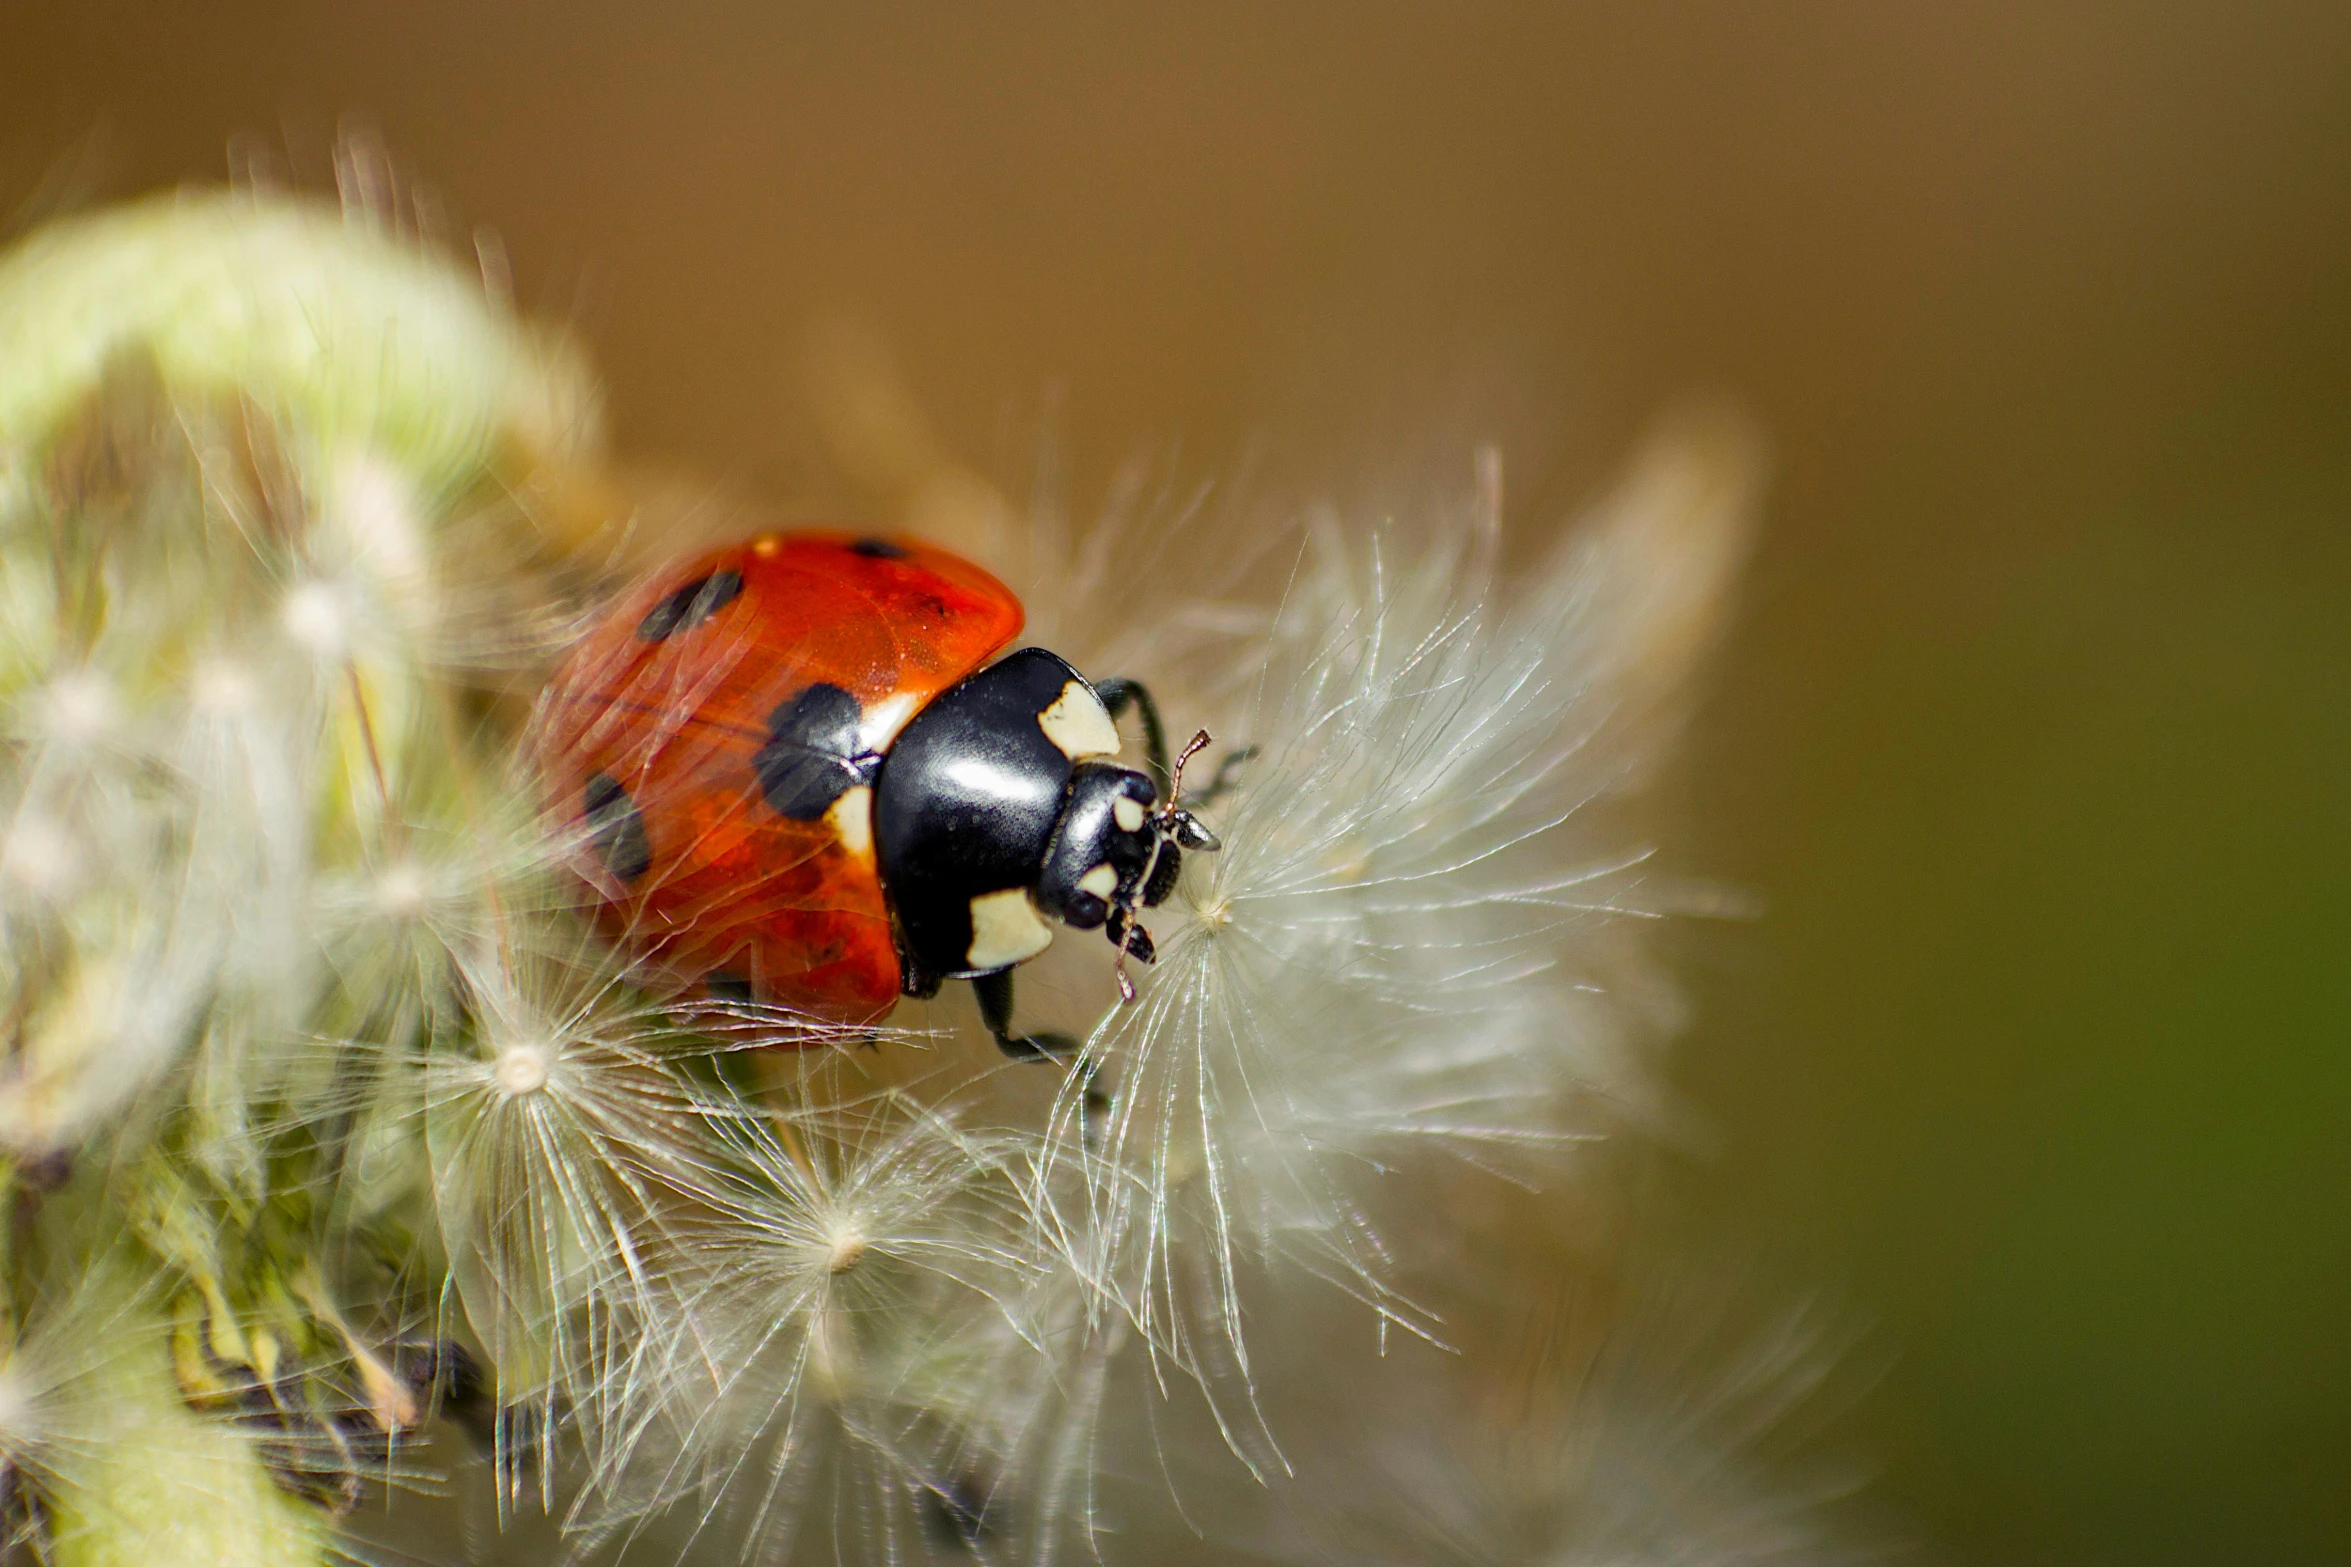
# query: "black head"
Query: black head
{"points": [[1003, 803]]}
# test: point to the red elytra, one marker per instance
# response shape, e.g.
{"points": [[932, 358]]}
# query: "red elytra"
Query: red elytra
{"points": [[651, 734]]}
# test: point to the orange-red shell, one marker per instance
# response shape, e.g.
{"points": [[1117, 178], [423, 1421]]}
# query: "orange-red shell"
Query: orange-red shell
{"points": [[728, 886]]}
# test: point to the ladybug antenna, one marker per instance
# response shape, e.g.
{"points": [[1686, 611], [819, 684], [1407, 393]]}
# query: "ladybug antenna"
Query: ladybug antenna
{"points": [[1192, 747], [1176, 823], [1178, 829]]}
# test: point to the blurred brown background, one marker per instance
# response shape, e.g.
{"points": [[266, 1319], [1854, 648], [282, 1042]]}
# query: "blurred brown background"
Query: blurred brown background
{"points": [[2032, 739]]}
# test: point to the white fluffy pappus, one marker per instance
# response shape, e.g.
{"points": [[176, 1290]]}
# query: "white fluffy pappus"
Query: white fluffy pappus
{"points": [[1416, 929], [883, 1365], [272, 482], [1607, 1418], [217, 705], [564, 1148]]}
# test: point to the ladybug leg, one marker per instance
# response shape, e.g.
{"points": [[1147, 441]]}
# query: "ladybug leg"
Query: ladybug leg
{"points": [[994, 991], [1120, 694]]}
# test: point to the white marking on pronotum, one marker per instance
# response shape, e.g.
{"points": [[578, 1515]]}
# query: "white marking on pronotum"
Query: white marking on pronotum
{"points": [[1078, 724], [882, 721], [1101, 881], [1127, 813], [851, 819], [1005, 929]]}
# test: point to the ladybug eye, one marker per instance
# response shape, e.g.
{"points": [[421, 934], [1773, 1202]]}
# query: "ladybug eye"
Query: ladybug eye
{"points": [[689, 605]]}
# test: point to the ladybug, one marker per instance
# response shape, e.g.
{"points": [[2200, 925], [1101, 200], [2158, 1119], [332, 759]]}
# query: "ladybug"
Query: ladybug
{"points": [[792, 775]]}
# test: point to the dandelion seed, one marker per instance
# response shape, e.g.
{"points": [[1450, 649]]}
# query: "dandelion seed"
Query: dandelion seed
{"points": [[1612, 1422], [522, 1068], [239, 988], [77, 709], [222, 688], [845, 1249], [41, 859], [373, 517], [21, 1428], [862, 1284], [1404, 937], [403, 893], [315, 617]]}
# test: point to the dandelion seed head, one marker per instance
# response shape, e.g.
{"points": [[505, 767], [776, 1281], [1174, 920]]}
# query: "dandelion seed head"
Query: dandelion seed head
{"points": [[233, 433], [334, 959]]}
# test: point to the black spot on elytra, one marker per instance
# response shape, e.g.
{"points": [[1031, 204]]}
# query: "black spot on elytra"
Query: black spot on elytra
{"points": [[616, 829], [726, 986], [690, 604], [877, 549], [811, 757]]}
